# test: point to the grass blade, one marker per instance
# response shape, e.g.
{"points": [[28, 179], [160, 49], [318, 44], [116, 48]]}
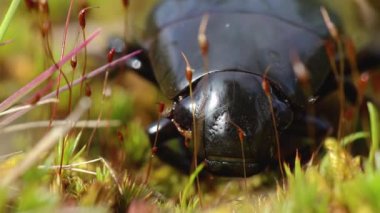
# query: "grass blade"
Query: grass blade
{"points": [[8, 17], [374, 121], [353, 137], [185, 193]]}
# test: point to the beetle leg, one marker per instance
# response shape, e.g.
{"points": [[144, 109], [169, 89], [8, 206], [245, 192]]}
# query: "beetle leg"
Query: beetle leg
{"points": [[140, 63], [170, 146], [297, 137]]}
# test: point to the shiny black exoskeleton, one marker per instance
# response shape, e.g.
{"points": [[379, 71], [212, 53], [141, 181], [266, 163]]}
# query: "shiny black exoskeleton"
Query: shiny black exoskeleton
{"points": [[249, 40]]}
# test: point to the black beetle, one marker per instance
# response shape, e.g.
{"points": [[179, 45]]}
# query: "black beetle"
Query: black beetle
{"points": [[249, 41]]}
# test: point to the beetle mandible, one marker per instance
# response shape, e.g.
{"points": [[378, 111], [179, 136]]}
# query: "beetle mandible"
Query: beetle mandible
{"points": [[250, 42]]}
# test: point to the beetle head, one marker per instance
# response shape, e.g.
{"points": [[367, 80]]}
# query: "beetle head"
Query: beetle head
{"points": [[232, 115]]}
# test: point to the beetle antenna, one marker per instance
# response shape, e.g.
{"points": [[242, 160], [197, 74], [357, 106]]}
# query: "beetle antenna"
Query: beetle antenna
{"points": [[189, 76], [267, 90]]}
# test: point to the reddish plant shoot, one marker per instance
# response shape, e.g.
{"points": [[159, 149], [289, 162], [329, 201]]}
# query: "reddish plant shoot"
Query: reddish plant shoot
{"points": [[241, 134], [265, 86], [61, 73], [351, 55], [88, 91], [189, 74], [125, 3], [45, 28], [82, 24], [350, 51], [111, 55], [189, 77], [329, 24], [338, 75], [161, 107], [188, 70], [363, 82], [303, 76], [300, 70], [203, 44], [154, 150], [43, 7], [74, 62], [31, 4], [202, 38], [330, 48], [120, 136], [82, 18], [35, 98]]}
